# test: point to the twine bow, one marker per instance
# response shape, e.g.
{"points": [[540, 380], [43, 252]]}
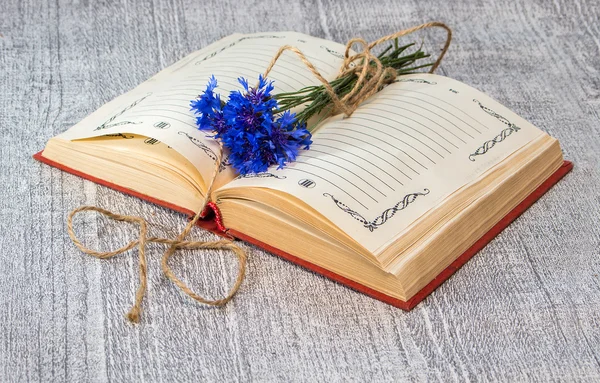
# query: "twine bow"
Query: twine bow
{"points": [[178, 243], [372, 76]]}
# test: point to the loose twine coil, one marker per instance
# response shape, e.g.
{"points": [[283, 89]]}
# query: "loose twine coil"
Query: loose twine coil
{"points": [[372, 76], [179, 243]]}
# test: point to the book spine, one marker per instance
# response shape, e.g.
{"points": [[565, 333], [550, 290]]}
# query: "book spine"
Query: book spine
{"points": [[212, 220]]}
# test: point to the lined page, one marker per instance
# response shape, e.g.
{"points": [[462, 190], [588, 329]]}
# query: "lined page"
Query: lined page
{"points": [[400, 154], [160, 107]]}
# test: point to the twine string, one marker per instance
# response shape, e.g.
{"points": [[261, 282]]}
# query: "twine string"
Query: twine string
{"points": [[179, 243], [371, 75]]}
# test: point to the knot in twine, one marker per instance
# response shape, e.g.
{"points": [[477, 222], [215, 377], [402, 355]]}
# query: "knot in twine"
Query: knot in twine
{"points": [[372, 76], [178, 243]]}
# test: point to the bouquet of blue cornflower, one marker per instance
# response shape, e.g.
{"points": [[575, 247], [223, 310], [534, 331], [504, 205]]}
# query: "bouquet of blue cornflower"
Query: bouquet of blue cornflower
{"points": [[250, 125], [258, 128]]}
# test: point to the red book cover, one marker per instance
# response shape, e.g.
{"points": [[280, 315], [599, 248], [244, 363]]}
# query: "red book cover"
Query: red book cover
{"points": [[209, 224]]}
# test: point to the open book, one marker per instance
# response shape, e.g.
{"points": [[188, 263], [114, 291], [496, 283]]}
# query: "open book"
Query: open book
{"points": [[384, 200]]}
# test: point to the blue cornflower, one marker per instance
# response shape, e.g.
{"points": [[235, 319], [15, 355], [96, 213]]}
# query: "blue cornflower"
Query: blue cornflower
{"points": [[247, 124], [208, 105]]}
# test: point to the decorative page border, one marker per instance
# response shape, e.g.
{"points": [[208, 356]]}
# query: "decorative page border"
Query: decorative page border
{"points": [[108, 123], [211, 55], [208, 151], [385, 216], [260, 175], [418, 81], [512, 128]]}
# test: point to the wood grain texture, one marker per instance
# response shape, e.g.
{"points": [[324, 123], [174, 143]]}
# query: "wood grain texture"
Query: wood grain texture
{"points": [[526, 308]]}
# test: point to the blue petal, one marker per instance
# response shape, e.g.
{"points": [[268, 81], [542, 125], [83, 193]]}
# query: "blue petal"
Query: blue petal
{"points": [[244, 83]]}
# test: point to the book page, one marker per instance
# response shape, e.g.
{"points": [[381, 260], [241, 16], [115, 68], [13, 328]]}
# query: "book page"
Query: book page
{"points": [[159, 108], [400, 154]]}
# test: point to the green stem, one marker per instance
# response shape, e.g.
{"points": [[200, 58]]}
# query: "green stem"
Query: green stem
{"points": [[316, 97]]}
